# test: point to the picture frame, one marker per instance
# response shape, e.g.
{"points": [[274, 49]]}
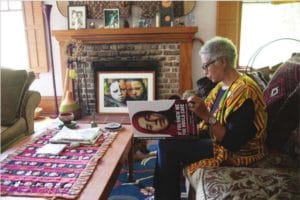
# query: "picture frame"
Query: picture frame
{"points": [[77, 17], [111, 18], [114, 88]]}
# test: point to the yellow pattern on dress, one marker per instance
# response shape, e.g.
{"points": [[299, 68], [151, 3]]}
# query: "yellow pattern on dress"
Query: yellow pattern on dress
{"points": [[242, 89]]}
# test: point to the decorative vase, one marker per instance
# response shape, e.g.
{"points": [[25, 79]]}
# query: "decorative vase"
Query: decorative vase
{"points": [[66, 118], [68, 104]]}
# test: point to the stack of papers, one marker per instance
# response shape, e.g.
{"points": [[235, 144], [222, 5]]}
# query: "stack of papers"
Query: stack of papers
{"points": [[53, 149], [83, 136]]}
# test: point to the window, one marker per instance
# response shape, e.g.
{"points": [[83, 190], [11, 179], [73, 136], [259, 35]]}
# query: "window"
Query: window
{"points": [[23, 36], [13, 39], [274, 29]]}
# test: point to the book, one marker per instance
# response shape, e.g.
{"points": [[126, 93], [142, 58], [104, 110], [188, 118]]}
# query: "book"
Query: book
{"points": [[82, 136], [162, 119]]}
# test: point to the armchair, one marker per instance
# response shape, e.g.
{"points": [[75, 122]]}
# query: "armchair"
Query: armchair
{"points": [[17, 105]]}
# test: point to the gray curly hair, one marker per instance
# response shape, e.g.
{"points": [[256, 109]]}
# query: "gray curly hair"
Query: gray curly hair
{"points": [[218, 47]]}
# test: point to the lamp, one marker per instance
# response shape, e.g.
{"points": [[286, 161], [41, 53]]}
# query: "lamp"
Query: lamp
{"points": [[258, 51], [46, 13]]}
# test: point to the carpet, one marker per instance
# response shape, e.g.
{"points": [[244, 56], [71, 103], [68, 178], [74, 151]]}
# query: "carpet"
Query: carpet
{"points": [[142, 187]]}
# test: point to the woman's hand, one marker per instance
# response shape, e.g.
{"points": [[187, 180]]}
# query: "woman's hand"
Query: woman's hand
{"points": [[197, 105]]}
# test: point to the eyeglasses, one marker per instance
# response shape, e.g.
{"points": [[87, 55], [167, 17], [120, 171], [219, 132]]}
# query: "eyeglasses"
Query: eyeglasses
{"points": [[206, 65]]}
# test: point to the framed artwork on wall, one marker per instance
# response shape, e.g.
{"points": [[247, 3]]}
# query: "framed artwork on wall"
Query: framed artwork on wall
{"points": [[77, 17], [115, 88], [111, 18]]}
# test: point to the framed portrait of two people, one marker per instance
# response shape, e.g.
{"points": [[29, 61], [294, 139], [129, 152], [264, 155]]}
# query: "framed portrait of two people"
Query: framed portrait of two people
{"points": [[115, 88], [77, 17]]}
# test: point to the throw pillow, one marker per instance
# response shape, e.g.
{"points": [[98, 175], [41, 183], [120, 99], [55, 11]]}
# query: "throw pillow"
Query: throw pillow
{"points": [[282, 98], [259, 79]]}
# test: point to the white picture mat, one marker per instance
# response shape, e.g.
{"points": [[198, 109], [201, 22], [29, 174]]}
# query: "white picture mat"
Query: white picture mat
{"points": [[101, 76]]}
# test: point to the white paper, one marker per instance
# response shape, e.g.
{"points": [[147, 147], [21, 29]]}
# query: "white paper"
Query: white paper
{"points": [[54, 149], [84, 136]]}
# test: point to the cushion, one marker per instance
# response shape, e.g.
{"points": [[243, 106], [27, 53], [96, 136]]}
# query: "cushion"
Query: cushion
{"points": [[259, 79], [282, 99], [11, 134], [13, 84], [276, 160], [248, 183], [205, 85], [265, 72]]}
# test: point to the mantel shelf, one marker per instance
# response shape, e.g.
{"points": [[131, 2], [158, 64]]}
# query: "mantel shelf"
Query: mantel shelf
{"points": [[127, 35]]}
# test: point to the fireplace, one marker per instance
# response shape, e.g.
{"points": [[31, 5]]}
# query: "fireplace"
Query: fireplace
{"points": [[162, 58], [119, 81], [170, 47]]}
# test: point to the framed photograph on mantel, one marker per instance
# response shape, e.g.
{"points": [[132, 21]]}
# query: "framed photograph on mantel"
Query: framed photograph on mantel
{"points": [[77, 17], [111, 18], [115, 88]]}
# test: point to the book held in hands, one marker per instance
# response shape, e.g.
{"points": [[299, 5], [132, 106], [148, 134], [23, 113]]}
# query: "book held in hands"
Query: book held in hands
{"points": [[162, 119]]}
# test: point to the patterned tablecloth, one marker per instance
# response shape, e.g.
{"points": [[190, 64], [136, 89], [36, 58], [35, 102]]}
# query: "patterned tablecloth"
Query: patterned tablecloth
{"points": [[26, 173]]}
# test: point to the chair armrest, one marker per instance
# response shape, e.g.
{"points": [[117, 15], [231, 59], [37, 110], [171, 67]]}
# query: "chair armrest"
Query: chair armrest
{"points": [[31, 101]]}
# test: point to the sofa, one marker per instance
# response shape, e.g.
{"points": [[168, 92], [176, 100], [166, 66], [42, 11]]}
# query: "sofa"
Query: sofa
{"points": [[18, 104], [277, 176]]}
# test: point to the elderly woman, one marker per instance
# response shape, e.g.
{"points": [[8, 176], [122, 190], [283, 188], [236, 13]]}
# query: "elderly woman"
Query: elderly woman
{"points": [[233, 119]]}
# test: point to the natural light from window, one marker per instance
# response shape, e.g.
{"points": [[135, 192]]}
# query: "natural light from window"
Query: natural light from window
{"points": [[262, 24], [13, 39]]}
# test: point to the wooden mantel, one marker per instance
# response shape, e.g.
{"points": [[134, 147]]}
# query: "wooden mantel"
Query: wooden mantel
{"points": [[182, 35]]}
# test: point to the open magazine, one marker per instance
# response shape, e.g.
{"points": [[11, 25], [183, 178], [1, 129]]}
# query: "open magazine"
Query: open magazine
{"points": [[162, 118]]}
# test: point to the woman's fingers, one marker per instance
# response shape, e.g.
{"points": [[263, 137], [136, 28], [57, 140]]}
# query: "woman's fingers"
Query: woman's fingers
{"points": [[197, 105]]}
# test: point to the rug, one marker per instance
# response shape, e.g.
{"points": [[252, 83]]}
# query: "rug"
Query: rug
{"points": [[26, 173], [142, 187]]}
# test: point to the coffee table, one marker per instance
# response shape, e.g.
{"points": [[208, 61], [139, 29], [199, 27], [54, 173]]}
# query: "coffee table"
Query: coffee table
{"points": [[106, 173]]}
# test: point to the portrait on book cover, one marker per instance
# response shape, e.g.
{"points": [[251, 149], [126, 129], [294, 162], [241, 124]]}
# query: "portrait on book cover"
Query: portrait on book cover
{"points": [[162, 118], [115, 88]]}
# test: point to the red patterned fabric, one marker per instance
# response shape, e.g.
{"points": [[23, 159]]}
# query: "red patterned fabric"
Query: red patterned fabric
{"points": [[27, 173], [282, 98]]}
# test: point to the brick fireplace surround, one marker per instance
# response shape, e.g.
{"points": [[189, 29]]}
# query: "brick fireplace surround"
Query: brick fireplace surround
{"points": [[170, 47]]}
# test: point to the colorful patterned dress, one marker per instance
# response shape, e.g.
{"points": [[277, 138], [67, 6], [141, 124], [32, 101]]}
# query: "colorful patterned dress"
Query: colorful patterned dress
{"points": [[240, 90]]}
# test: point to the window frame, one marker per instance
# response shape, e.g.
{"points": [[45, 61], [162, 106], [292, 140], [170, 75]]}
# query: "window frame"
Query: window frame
{"points": [[228, 21], [35, 29]]}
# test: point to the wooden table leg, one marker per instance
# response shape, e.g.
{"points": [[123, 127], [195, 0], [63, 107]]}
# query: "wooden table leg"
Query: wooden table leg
{"points": [[131, 161]]}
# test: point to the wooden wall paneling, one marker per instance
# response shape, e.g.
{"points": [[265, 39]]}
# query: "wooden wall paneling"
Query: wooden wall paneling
{"points": [[229, 20], [185, 66], [48, 104]]}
